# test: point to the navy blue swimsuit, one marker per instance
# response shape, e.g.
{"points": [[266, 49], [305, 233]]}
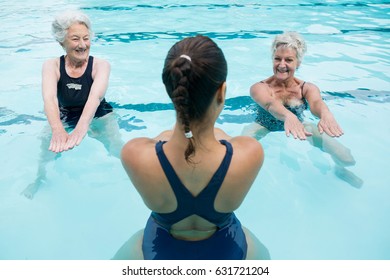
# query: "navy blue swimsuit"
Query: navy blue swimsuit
{"points": [[264, 118], [228, 242], [72, 94]]}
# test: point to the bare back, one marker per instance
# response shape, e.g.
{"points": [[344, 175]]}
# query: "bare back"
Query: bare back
{"points": [[157, 193]]}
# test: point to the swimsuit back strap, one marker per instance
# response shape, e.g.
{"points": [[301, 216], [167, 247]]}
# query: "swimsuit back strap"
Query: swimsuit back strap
{"points": [[212, 187], [216, 181], [170, 173]]}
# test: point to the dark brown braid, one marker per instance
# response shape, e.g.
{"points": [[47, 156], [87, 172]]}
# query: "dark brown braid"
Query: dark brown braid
{"points": [[180, 73]]}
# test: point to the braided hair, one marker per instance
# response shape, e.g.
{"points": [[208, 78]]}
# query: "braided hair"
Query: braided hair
{"points": [[194, 69]]}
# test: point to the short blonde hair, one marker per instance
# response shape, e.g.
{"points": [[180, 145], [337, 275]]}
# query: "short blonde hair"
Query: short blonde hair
{"points": [[62, 22], [290, 39]]}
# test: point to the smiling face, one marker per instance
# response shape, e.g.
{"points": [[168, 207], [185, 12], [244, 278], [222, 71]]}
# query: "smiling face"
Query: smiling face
{"points": [[77, 42], [285, 63]]}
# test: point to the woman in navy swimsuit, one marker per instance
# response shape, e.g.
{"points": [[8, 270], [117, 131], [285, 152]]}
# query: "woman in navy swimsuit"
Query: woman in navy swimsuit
{"points": [[194, 177], [73, 90], [282, 99]]}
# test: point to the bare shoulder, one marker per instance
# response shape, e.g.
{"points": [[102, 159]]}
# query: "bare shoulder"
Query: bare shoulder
{"points": [[309, 87], [261, 92], [100, 63], [258, 87], [136, 149], [311, 90], [50, 64], [248, 148], [101, 69], [51, 70], [246, 143]]}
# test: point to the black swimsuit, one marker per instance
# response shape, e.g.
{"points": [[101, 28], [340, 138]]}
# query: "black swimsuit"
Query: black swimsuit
{"points": [[228, 242], [264, 118], [73, 93]]}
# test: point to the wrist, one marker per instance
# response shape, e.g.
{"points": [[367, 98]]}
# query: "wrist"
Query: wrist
{"points": [[82, 125], [58, 128], [325, 113]]}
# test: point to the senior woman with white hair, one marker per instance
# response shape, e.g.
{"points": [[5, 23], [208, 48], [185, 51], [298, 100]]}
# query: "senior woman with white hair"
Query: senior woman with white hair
{"points": [[73, 90], [282, 98], [74, 85]]}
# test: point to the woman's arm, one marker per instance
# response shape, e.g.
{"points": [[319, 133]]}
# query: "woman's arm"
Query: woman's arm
{"points": [[248, 158], [327, 123], [50, 76]]}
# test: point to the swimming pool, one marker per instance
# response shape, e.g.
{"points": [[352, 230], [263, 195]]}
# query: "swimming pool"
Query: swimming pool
{"points": [[298, 207]]}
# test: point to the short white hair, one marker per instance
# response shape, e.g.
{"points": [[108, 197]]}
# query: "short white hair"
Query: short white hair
{"points": [[290, 39], [63, 21]]}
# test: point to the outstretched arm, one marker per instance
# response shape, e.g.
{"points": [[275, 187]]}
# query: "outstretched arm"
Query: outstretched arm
{"points": [[50, 76], [327, 123], [261, 93]]}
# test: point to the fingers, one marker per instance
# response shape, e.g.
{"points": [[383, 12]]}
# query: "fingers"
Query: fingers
{"points": [[336, 131], [57, 146], [74, 139], [330, 126], [72, 142], [298, 133], [63, 142], [58, 143], [333, 131]]}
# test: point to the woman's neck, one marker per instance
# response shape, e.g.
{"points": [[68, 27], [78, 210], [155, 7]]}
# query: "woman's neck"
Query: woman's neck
{"points": [[287, 83], [75, 64]]}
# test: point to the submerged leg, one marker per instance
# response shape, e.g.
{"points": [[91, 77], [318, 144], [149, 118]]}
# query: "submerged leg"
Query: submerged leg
{"points": [[256, 249], [348, 177], [106, 130], [45, 157], [32, 188], [131, 249], [341, 155], [255, 130]]}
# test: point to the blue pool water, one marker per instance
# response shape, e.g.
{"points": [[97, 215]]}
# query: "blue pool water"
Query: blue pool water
{"points": [[297, 207]]}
